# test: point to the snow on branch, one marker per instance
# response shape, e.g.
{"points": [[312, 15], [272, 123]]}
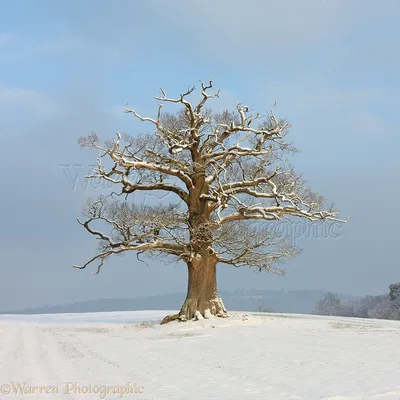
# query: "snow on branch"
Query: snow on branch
{"points": [[241, 244], [133, 228], [133, 158]]}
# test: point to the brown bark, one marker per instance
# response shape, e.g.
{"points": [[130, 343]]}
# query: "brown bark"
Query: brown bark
{"points": [[202, 298]]}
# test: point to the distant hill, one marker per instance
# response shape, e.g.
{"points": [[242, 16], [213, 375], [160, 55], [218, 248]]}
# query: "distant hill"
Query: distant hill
{"points": [[293, 301]]}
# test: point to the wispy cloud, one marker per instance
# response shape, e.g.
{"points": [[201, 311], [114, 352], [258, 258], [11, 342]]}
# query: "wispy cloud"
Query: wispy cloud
{"points": [[5, 38], [258, 29], [324, 107], [26, 101]]}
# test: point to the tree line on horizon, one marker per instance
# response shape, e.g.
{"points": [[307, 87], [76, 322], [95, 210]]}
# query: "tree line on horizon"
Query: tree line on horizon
{"points": [[386, 306]]}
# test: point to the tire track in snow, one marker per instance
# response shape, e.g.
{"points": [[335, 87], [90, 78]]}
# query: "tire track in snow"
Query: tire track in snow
{"points": [[80, 352], [10, 343], [27, 364]]}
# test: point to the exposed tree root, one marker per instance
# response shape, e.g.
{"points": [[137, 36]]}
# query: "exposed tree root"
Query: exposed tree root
{"points": [[195, 309], [169, 318]]}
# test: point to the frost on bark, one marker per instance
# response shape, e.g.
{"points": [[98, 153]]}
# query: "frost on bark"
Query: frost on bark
{"points": [[228, 183]]}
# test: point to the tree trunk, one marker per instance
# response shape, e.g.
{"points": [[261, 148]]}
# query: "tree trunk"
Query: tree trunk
{"points": [[202, 298]]}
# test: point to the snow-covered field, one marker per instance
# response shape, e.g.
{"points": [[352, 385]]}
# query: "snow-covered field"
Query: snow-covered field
{"points": [[258, 356]]}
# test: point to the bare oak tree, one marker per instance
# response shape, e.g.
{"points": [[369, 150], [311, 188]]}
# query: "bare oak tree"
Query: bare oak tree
{"points": [[228, 174]]}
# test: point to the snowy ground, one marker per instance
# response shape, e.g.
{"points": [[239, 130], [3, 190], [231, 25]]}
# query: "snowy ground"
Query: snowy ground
{"points": [[269, 356]]}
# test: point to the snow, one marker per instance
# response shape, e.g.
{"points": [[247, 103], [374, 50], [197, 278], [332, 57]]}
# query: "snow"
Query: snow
{"points": [[198, 315], [246, 356]]}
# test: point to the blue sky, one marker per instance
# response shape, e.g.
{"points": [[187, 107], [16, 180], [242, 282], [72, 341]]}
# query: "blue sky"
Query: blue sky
{"points": [[68, 68]]}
